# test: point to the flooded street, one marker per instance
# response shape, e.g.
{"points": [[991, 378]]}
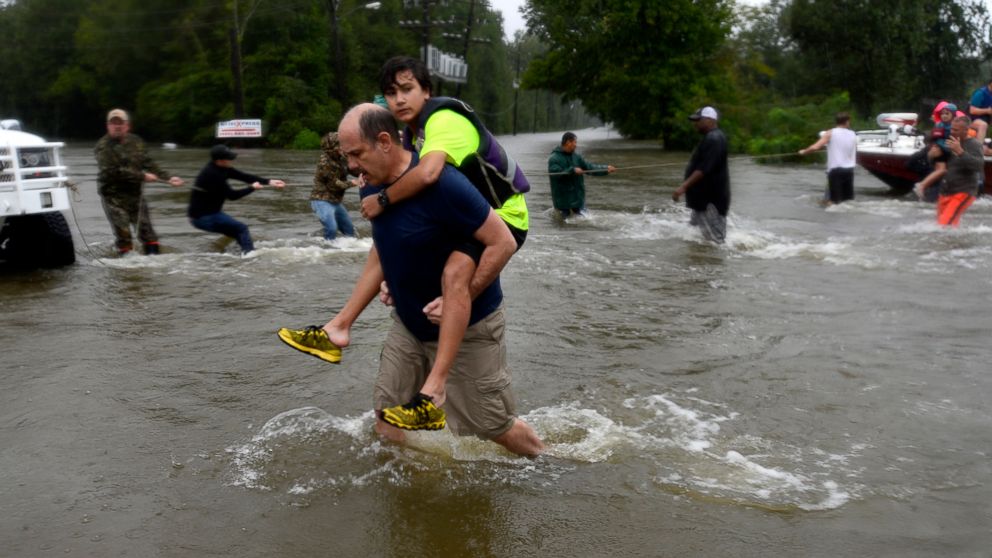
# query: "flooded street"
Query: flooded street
{"points": [[818, 386]]}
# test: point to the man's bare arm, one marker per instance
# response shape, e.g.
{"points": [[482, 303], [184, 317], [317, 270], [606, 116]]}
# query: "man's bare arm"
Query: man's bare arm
{"points": [[499, 247], [366, 289], [427, 172]]}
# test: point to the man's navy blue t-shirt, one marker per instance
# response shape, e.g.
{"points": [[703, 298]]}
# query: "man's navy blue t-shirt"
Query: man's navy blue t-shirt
{"points": [[414, 239]]}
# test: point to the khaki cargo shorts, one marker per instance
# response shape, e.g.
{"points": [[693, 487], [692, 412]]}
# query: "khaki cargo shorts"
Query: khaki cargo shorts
{"points": [[479, 400]]}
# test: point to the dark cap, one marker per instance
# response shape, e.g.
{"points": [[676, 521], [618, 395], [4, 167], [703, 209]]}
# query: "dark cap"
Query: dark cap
{"points": [[222, 152]]}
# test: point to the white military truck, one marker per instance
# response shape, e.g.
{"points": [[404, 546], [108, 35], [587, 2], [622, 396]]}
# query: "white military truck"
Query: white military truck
{"points": [[33, 195]]}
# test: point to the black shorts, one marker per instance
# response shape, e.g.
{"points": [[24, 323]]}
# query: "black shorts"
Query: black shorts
{"points": [[473, 248]]}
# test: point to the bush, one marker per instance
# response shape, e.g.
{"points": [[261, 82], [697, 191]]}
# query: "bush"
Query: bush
{"points": [[306, 139], [778, 126]]}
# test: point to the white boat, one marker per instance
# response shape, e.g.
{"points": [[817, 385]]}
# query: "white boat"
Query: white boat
{"points": [[887, 152]]}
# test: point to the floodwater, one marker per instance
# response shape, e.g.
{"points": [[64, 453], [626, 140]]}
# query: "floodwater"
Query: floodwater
{"points": [[816, 387]]}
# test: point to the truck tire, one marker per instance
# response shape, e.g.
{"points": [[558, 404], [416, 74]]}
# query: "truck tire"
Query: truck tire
{"points": [[32, 241]]}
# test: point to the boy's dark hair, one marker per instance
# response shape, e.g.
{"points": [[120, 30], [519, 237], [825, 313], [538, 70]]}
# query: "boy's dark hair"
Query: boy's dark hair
{"points": [[842, 118], [397, 64], [567, 137]]}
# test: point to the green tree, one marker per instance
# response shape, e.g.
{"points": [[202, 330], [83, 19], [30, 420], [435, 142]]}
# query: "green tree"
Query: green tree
{"points": [[37, 43], [640, 64], [65, 62], [891, 55]]}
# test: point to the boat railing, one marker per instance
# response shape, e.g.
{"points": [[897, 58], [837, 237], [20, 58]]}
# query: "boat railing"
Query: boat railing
{"points": [[905, 137]]}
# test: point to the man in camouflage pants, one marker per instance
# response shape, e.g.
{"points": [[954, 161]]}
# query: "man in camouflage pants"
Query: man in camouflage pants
{"points": [[329, 184], [124, 166]]}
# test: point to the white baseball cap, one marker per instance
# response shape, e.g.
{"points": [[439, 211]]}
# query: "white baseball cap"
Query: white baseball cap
{"points": [[705, 112], [117, 113]]}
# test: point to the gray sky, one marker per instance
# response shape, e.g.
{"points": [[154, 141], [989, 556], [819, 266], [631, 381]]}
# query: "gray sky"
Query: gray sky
{"points": [[512, 20]]}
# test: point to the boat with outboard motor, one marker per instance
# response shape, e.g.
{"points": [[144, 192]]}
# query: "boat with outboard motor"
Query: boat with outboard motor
{"points": [[895, 154]]}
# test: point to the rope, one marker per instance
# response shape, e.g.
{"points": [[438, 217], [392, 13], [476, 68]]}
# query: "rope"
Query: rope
{"points": [[590, 172], [77, 197]]}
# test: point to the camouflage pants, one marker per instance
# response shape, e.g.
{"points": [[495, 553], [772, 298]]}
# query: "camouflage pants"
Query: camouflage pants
{"points": [[125, 211]]}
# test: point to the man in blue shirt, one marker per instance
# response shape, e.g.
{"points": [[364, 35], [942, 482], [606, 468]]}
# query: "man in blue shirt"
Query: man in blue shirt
{"points": [[980, 110], [411, 245]]}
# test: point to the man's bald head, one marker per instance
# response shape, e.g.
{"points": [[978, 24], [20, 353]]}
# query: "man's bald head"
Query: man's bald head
{"points": [[370, 120], [371, 142]]}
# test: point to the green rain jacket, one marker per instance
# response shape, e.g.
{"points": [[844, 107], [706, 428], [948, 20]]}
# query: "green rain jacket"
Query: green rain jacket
{"points": [[568, 191]]}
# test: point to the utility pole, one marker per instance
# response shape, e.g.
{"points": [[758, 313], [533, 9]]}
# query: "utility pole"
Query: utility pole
{"points": [[516, 89], [468, 39], [425, 26], [339, 78], [236, 34], [236, 75], [339, 89], [239, 91], [533, 120]]}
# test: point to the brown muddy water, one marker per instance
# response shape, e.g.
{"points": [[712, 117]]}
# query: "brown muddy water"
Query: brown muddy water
{"points": [[818, 386]]}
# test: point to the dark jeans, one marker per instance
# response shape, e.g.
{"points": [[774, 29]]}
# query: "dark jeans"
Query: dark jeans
{"points": [[226, 225], [841, 184]]}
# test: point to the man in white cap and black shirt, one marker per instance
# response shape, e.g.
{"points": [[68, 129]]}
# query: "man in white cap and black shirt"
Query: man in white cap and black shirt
{"points": [[211, 190], [707, 178]]}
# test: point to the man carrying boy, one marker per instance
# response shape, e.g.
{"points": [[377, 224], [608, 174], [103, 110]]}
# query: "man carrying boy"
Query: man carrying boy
{"points": [[441, 130], [412, 247], [960, 184]]}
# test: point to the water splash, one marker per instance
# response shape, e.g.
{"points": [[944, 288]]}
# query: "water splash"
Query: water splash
{"points": [[677, 437]]}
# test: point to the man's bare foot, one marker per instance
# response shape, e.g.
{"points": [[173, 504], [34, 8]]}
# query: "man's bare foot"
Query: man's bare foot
{"points": [[338, 335], [438, 396]]}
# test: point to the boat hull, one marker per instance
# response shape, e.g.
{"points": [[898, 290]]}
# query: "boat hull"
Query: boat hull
{"points": [[890, 166]]}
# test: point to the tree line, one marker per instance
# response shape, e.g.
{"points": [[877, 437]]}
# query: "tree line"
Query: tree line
{"points": [[180, 66], [777, 71]]}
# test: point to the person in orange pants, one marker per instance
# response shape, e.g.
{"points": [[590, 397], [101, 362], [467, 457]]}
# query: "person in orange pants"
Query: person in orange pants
{"points": [[950, 208], [960, 184]]}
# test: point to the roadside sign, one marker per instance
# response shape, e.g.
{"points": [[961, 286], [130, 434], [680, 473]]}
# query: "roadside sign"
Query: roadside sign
{"points": [[243, 128]]}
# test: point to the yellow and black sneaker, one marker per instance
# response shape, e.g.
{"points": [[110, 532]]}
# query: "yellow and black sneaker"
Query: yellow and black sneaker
{"points": [[419, 414], [312, 341]]}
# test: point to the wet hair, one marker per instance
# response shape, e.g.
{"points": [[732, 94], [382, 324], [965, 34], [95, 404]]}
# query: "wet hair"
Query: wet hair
{"points": [[397, 64], [842, 118], [374, 120], [567, 137]]}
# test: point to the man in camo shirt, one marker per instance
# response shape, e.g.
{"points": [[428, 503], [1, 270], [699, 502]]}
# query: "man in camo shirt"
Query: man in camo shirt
{"points": [[329, 184], [124, 166]]}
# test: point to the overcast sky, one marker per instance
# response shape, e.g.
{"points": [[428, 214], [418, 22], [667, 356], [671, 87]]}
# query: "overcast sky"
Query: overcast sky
{"points": [[512, 20]]}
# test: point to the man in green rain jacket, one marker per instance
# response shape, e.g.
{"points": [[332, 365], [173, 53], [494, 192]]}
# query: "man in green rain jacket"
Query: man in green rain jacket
{"points": [[567, 169]]}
